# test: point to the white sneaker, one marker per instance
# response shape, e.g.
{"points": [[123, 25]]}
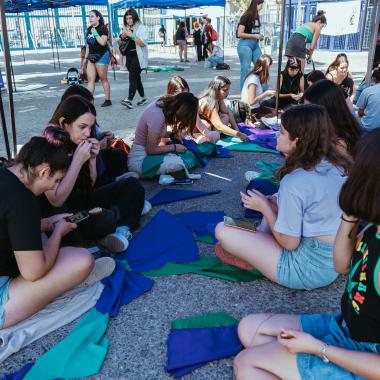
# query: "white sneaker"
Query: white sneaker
{"points": [[250, 175], [103, 268], [147, 208], [114, 243]]}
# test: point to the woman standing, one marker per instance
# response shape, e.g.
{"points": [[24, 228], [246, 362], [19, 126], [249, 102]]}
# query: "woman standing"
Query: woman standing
{"points": [[181, 36], [136, 53], [197, 35], [306, 34], [249, 34], [97, 55]]}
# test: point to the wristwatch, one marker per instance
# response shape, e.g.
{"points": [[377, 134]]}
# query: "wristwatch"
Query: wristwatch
{"points": [[324, 353]]}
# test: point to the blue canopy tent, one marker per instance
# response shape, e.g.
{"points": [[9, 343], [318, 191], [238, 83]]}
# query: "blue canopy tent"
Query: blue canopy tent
{"points": [[17, 6], [168, 4]]}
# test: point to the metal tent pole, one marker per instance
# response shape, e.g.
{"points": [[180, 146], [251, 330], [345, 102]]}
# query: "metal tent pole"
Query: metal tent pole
{"points": [[4, 126], [290, 19], [22, 42], [55, 37], [280, 54], [51, 36], [7, 59], [224, 27]]}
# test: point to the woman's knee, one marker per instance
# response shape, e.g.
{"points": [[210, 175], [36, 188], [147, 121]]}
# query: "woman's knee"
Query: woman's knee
{"points": [[220, 232], [241, 363], [248, 328], [134, 186], [81, 262]]}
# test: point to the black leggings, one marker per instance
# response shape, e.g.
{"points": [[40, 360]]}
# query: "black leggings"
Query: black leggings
{"points": [[199, 52], [122, 204], [135, 83]]}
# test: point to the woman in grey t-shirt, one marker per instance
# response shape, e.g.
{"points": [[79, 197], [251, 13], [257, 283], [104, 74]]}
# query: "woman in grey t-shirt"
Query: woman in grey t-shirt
{"points": [[294, 246]]}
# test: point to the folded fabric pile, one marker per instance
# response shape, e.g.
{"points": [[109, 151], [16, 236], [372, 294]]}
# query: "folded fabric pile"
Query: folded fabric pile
{"points": [[195, 341]]}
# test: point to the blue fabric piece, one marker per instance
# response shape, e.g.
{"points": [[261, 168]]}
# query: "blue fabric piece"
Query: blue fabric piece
{"points": [[174, 195], [264, 186], [164, 239], [199, 222], [192, 348], [171, 4], [192, 146], [19, 375], [121, 288], [222, 152]]}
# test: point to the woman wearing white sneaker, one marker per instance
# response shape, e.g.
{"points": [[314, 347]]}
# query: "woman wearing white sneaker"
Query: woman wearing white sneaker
{"points": [[132, 42], [121, 202]]}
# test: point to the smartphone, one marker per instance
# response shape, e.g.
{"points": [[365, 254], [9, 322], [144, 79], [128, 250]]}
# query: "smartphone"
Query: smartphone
{"points": [[101, 135], [241, 224], [78, 217]]}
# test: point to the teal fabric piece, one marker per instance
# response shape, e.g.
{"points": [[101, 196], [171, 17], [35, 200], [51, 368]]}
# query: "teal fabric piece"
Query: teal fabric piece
{"points": [[233, 143], [268, 171], [208, 320], [152, 163], [79, 355], [157, 69]]}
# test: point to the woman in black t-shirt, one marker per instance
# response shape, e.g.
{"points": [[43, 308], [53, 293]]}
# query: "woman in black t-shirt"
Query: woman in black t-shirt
{"points": [[249, 36], [97, 54], [34, 270], [343, 345], [122, 201], [181, 38]]}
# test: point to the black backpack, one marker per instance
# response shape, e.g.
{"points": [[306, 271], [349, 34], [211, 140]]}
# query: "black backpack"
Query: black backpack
{"points": [[72, 76], [222, 66]]}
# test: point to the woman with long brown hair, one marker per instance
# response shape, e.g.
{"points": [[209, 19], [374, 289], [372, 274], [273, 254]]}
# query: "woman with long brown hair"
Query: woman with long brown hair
{"points": [[294, 246], [249, 36]]}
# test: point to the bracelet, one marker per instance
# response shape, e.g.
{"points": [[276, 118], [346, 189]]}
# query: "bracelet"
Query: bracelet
{"points": [[324, 353], [175, 148], [348, 221]]}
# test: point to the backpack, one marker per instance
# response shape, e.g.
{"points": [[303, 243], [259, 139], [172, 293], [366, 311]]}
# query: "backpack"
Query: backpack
{"points": [[222, 66], [72, 76], [214, 35]]}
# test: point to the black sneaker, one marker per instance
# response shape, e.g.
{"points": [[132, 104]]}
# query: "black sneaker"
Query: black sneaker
{"points": [[142, 102], [106, 103], [127, 103]]}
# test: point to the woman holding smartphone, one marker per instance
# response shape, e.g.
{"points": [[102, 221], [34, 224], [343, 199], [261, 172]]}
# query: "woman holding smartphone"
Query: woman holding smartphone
{"points": [[249, 36], [73, 126]]}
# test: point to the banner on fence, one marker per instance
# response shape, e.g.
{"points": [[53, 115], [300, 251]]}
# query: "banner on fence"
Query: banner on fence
{"points": [[342, 17]]}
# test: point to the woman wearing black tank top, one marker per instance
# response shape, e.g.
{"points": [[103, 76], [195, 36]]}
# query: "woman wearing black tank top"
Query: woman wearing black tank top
{"points": [[344, 345]]}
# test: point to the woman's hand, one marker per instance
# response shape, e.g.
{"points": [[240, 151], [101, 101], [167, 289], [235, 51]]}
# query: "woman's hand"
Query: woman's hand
{"points": [[82, 152], [95, 147], [242, 136], [259, 37], [103, 143], [254, 200], [269, 93], [180, 148], [128, 33], [63, 227], [298, 341], [47, 224]]}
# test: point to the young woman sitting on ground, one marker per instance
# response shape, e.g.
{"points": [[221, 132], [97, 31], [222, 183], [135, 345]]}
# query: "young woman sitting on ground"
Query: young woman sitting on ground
{"points": [[295, 242], [151, 144], [329, 95], [73, 126], [314, 76], [176, 85], [292, 84], [34, 270], [339, 74], [252, 92], [112, 164], [213, 110], [215, 55], [344, 345]]}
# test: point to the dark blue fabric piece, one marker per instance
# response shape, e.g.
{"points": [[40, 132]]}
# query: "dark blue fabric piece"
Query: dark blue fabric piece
{"points": [[191, 348], [199, 221], [222, 152], [174, 195], [19, 375], [121, 288], [265, 187], [164, 239]]}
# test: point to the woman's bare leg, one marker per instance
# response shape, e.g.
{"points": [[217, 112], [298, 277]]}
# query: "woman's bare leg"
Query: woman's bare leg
{"points": [[102, 71], [91, 76], [185, 51], [26, 298], [257, 248]]}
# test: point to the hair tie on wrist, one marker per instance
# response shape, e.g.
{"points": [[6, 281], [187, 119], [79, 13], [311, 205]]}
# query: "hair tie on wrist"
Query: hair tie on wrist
{"points": [[349, 221]]}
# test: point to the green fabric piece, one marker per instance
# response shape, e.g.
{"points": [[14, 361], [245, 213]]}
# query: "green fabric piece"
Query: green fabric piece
{"points": [[207, 239], [268, 171], [207, 266], [152, 163], [157, 69], [79, 355], [232, 143], [219, 319]]}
